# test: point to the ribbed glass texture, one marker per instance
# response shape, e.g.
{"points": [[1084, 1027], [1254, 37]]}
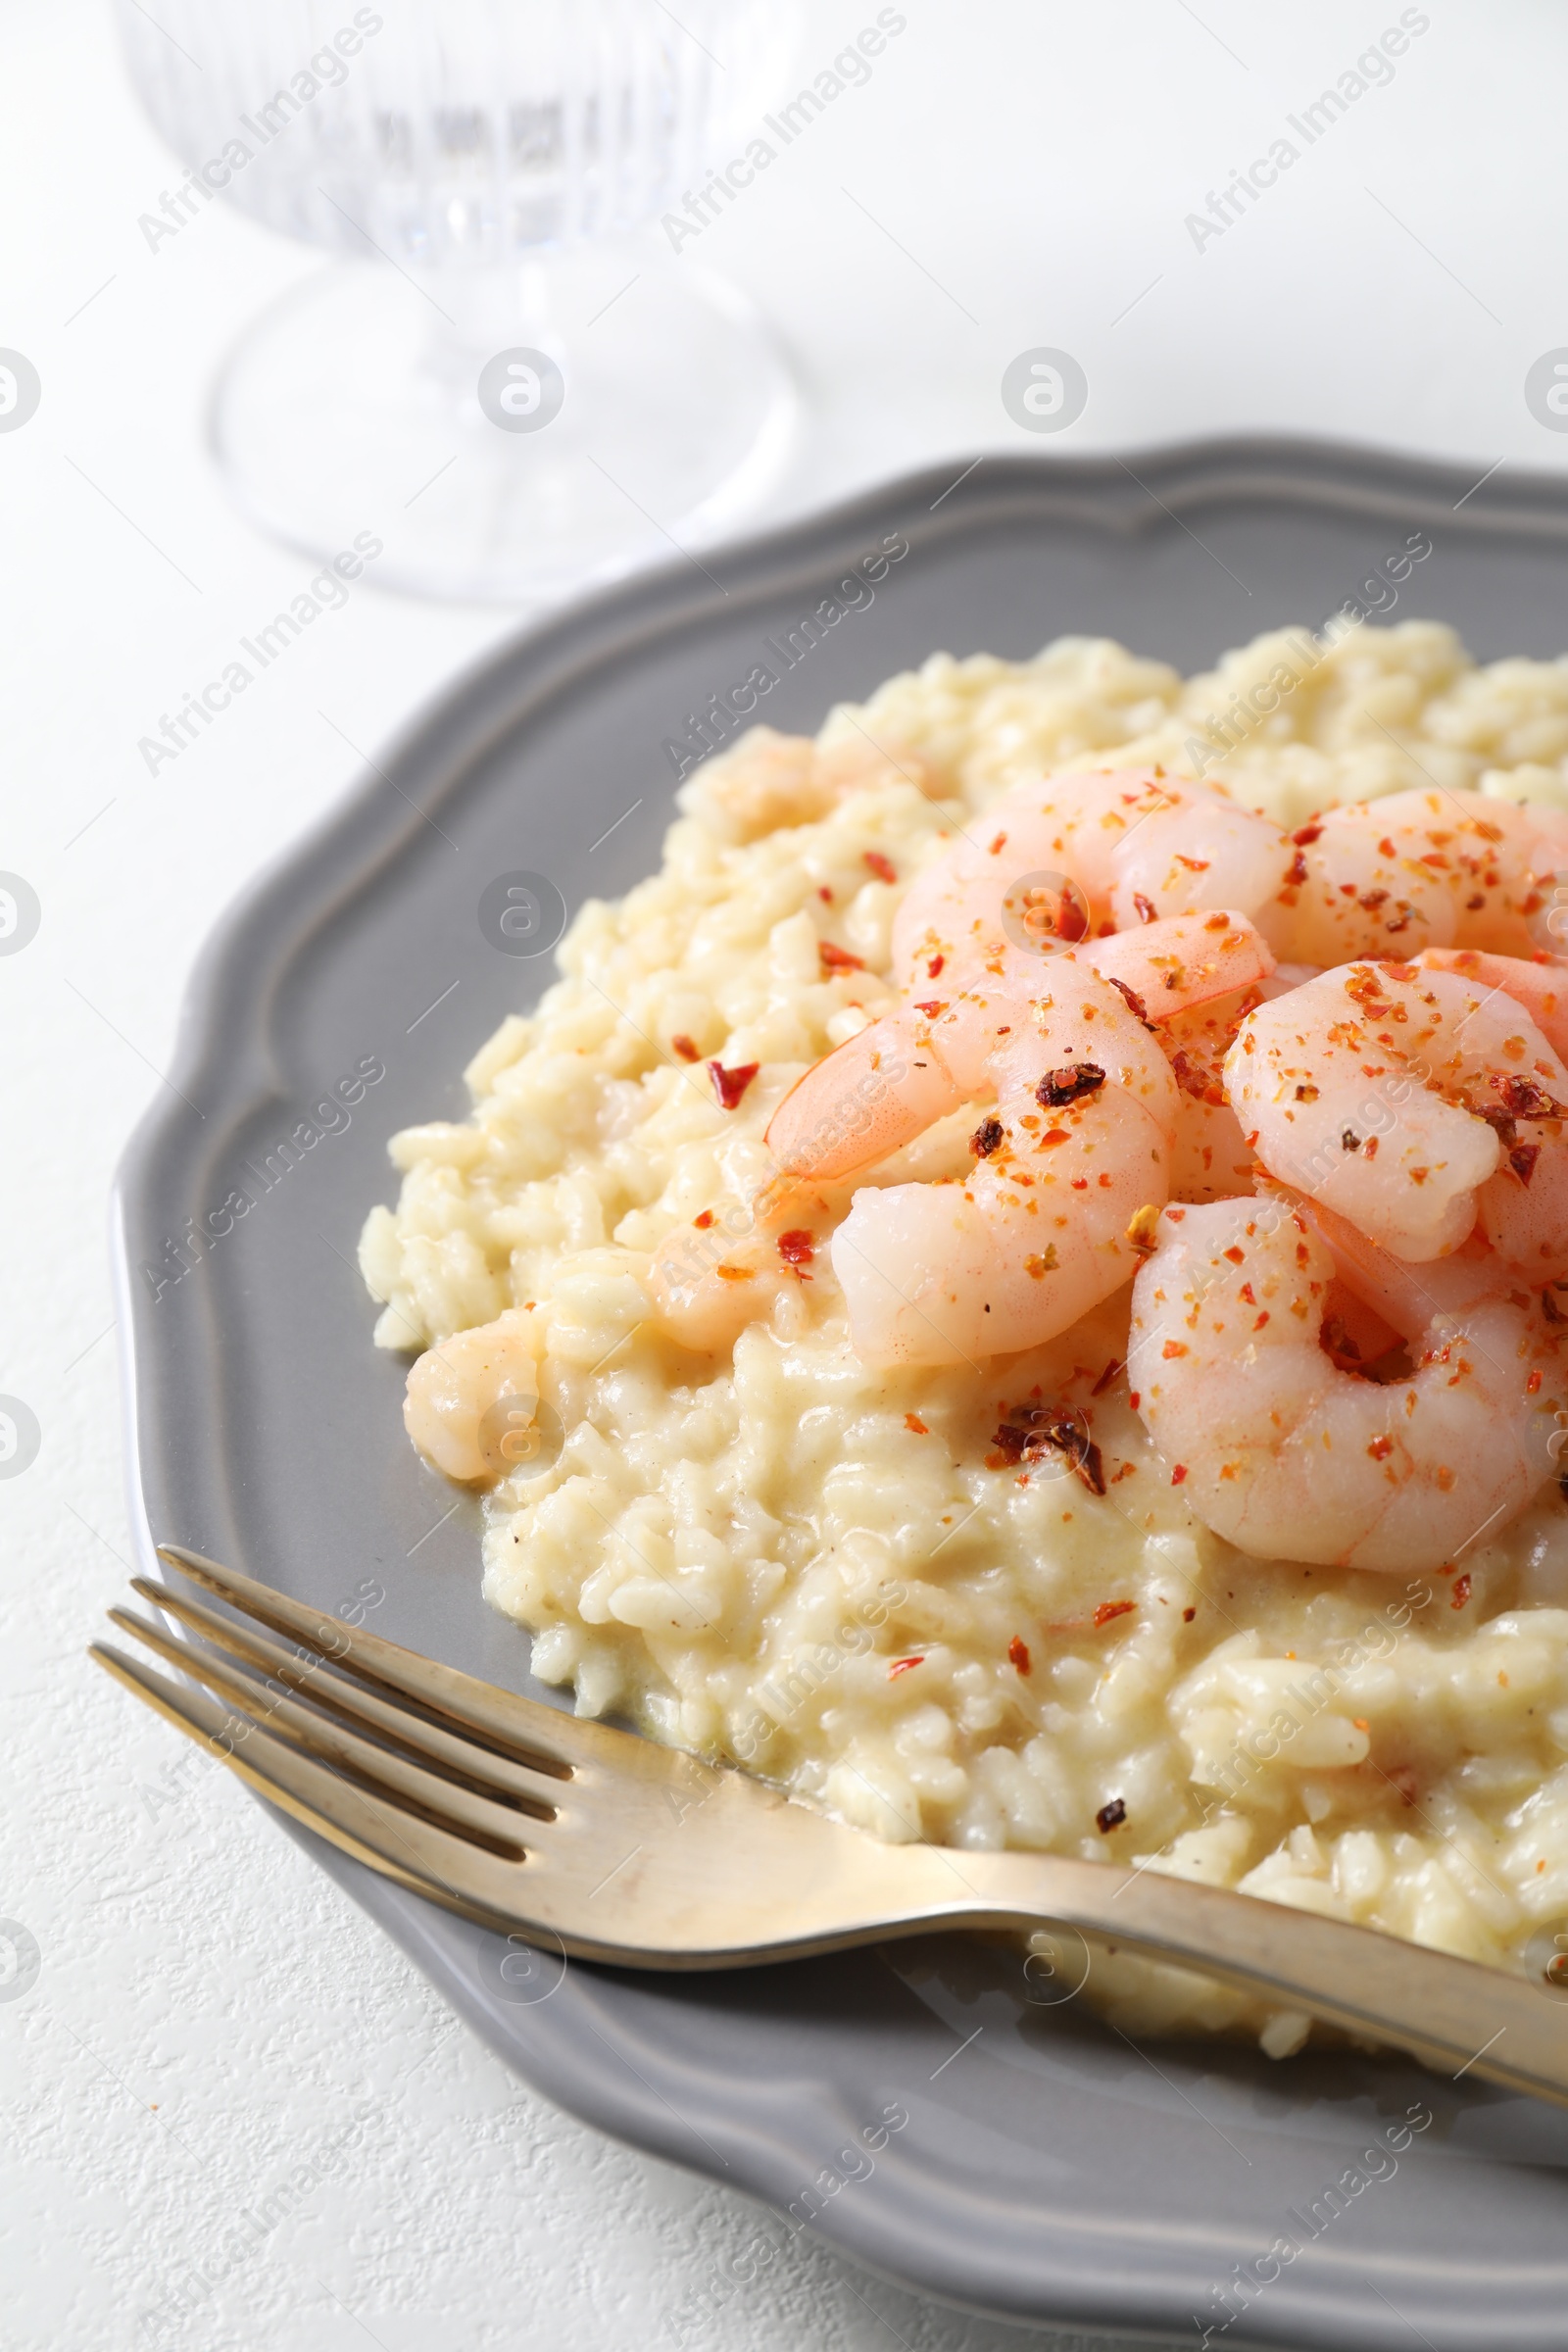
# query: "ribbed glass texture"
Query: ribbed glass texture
{"points": [[458, 132]]}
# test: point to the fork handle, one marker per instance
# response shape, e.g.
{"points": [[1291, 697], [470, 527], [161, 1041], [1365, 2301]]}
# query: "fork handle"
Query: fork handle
{"points": [[1456, 2016]]}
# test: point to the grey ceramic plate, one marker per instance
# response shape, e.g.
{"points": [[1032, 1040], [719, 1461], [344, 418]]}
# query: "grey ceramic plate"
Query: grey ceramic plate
{"points": [[1049, 2169]]}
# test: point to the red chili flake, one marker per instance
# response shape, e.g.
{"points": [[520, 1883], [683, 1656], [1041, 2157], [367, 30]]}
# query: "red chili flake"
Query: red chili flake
{"points": [[931, 1007], [987, 1138], [1110, 1817], [704, 1221], [730, 1085], [1461, 1592], [1381, 1449], [1035, 1428], [1115, 1366], [1069, 1084], [1148, 911], [825, 894], [1522, 1098], [797, 1248], [1307, 834], [1188, 1615], [1134, 1000], [882, 867], [915, 1422], [838, 959], [934, 967], [1298, 873], [998, 845], [1179, 1475], [1134, 1398], [1173, 1348], [687, 1049], [1522, 1159], [900, 1666], [1019, 1654], [1532, 1383], [1108, 1609]]}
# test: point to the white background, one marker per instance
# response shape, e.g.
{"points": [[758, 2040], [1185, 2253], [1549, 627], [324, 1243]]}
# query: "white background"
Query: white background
{"points": [[209, 2009]]}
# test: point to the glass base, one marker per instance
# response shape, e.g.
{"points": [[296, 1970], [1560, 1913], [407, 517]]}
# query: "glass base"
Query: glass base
{"points": [[509, 435]]}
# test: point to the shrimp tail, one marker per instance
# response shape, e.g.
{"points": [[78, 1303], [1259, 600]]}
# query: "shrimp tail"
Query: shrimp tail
{"points": [[868, 1098]]}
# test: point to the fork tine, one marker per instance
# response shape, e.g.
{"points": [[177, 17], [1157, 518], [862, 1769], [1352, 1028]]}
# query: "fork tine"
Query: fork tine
{"points": [[428, 1744], [519, 1728], [422, 1856], [482, 1821]]}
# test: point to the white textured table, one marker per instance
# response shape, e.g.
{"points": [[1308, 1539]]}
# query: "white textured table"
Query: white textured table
{"points": [[202, 2024]]}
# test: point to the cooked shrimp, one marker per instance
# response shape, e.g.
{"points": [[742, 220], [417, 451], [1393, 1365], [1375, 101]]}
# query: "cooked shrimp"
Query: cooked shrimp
{"points": [[1072, 1160], [1204, 850], [1540, 984], [1211, 1159], [1420, 870], [872, 1094], [1405, 1298], [1289, 1457], [453, 1407], [1414, 1102], [1067, 857], [712, 1275], [1049, 1223]]}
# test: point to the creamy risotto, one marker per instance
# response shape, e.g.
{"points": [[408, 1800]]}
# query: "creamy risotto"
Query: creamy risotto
{"points": [[962, 1602]]}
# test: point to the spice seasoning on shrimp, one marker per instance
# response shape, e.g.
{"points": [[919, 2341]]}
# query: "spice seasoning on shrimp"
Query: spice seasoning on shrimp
{"points": [[1143, 1225], [797, 1248], [1058, 1087], [988, 1137], [1135, 1001], [885, 1085]]}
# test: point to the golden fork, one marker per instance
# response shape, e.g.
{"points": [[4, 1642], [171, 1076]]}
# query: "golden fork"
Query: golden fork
{"points": [[533, 1821]]}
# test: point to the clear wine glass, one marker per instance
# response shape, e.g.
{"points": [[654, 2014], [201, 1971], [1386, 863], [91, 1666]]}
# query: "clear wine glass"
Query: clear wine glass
{"points": [[510, 375]]}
